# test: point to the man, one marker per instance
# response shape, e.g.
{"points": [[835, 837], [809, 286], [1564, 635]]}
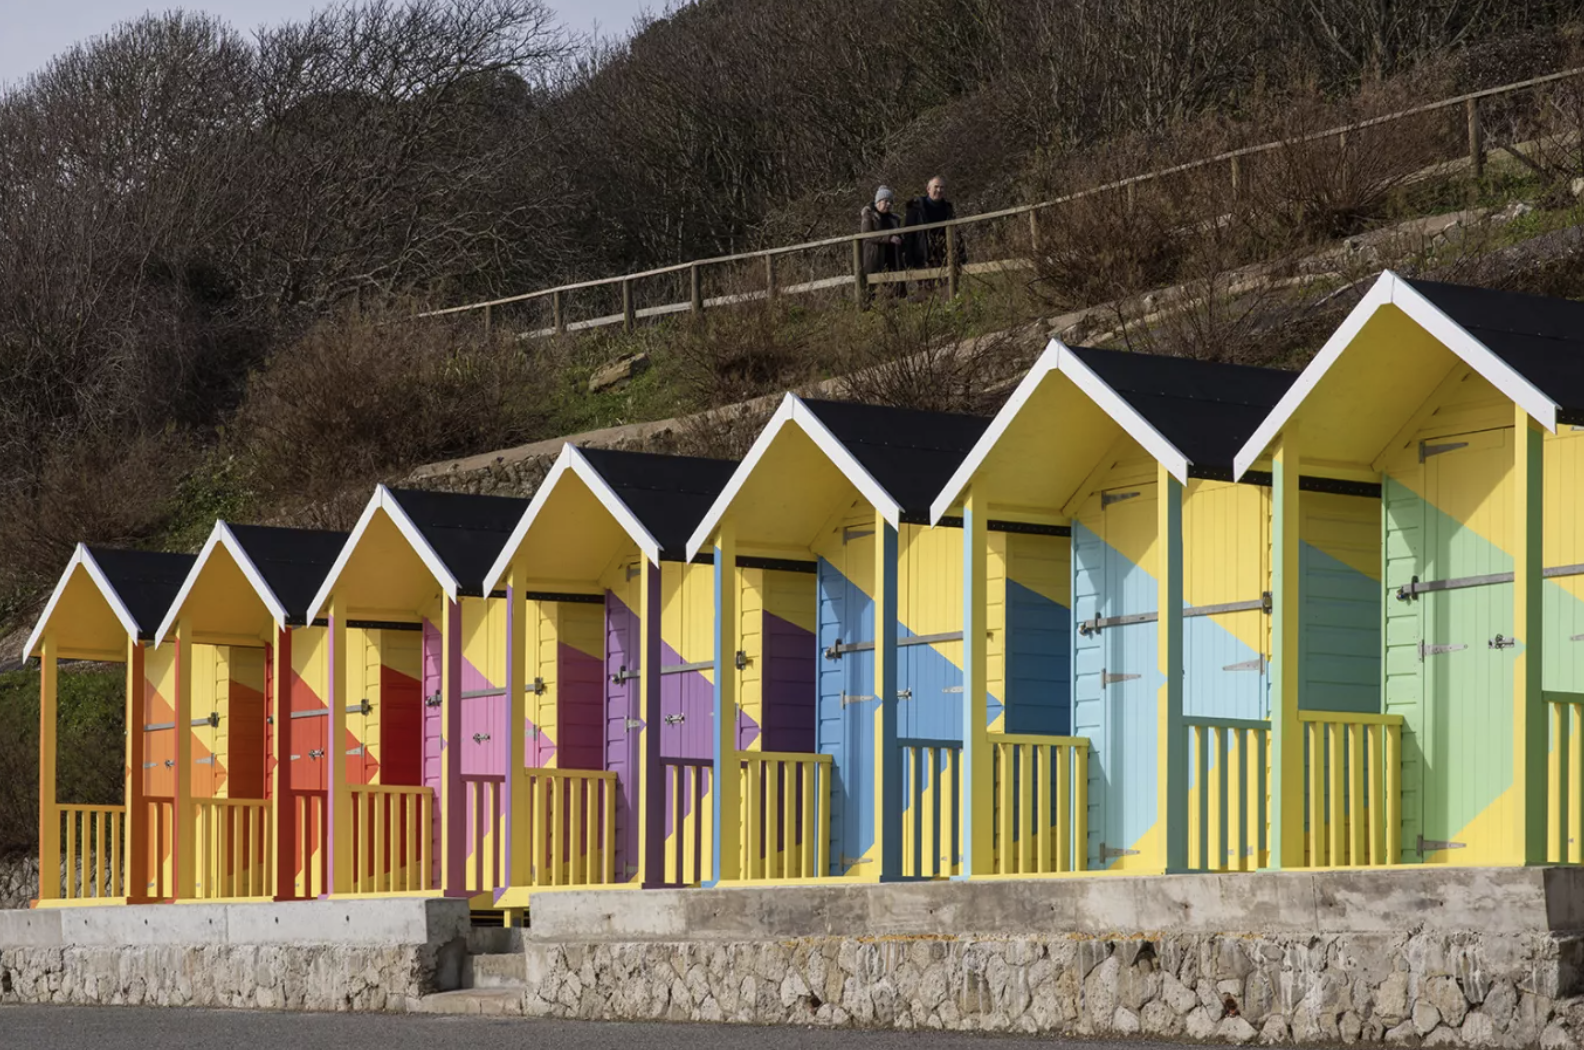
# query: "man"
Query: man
{"points": [[927, 248], [881, 254]]}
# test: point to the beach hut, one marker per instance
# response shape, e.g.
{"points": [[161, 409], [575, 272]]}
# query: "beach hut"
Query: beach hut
{"points": [[250, 673], [1463, 405], [412, 809], [597, 573], [847, 487], [1170, 581], [106, 608]]}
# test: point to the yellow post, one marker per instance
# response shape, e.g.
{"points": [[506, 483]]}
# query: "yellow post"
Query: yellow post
{"points": [[182, 808], [978, 780], [340, 795], [516, 797], [1171, 806], [49, 816], [135, 836], [726, 852], [1529, 716], [1287, 784]]}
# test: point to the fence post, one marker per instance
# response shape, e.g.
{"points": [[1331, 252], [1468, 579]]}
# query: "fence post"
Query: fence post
{"points": [[1476, 139], [860, 281], [695, 290], [628, 315], [770, 277], [1033, 232], [1237, 177], [953, 271], [557, 319], [487, 320]]}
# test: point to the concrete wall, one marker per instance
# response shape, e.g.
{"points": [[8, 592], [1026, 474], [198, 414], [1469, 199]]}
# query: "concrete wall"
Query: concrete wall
{"points": [[314, 955]]}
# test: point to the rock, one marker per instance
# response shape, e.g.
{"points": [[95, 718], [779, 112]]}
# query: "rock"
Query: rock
{"points": [[1259, 996], [1478, 1030], [1351, 1026], [1236, 1030], [1406, 1032], [618, 372], [1391, 998], [1501, 1000], [1555, 1037], [1100, 991], [1576, 187], [1179, 998], [1210, 999], [1444, 994], [1160, 1019], [1199, 1024], [1274, 1031], [1425, 1017], [1125, 1022], [1443, 1036]]}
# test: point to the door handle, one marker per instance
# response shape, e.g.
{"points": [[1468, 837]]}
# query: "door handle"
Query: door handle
{"points": [[479, 738]]}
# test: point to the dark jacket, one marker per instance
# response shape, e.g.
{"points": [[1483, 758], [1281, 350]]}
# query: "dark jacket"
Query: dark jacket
{"points": [[879, 254], [928, 247]]}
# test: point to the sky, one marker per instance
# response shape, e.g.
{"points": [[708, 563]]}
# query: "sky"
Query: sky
{"points": [[31, 30]]}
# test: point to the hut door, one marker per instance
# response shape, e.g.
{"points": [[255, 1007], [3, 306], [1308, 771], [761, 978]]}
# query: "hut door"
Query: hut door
{"points": [[1129, 667], [846, 728], [1466, 640], [310, 769], [622, 721], [1226, 567], [687, 697]]}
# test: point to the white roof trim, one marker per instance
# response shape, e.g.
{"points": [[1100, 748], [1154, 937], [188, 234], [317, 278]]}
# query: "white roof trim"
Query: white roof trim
{"points": [[793, 412], [1115, 406], [221, 535], [1390, 288], [83, 557], [384, 499], [572, 459]]}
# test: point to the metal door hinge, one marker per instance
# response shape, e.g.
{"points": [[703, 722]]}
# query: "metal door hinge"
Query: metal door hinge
{"points": [[1108, 498], [851, 532], [479, 738], [1247, 665], [1116, 851], [1577, 638], [855, 698], [633, 571], [170, 763], [633, 723], [356, 750], [538, 687], [432, 701], [1107, 678], [1426, 450], [952, 689], [1499, 642], [848, 862], [1438, 650], [362, 707], [1436, 845], [624, 675], [740, 661], [674, 720], [207, 760], [213, 719]]}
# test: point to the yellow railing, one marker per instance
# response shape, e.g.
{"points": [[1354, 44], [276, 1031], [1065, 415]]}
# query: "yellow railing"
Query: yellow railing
{"points": [[235, 848], [308, 843], [1354, 764], [1565, 814], [785, 815], [689, 858], [570, 830], [1229, 800], [392, 838], [159, 878], [1041, 803], [484, 840], [93, 838], [931, 821]]}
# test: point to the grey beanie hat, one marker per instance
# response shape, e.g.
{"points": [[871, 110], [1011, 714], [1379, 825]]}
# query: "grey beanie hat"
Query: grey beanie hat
{"points": [[883, 194]]}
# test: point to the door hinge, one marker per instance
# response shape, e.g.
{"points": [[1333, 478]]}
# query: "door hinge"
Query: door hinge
{"points": [[633, 723], [1108, 498], [1436, 845], [1499, 642], [1116, 851], [538, 687], [1257, 664], [740, 661], [1107, 678], [623, 675], [432, 701], [1426, 450], [674, 720], [1438, 650], [952, 689], [848, 862], [356, 750], [207, 760], [856, 698]]}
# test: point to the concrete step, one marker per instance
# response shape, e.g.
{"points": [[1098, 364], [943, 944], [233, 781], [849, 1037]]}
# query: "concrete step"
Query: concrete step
{"points": [[495, 970], [486, 940], [495, 1001]]}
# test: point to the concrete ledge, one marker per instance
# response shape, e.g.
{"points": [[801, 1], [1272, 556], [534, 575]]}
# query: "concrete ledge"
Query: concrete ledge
{"points": [[1471, 900]]}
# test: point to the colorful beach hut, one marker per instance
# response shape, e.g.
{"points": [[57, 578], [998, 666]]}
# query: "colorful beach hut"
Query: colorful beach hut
{"points": [[106, 607], [617, 637], [1464, 406], [415, 674], [1170, 581], [250, 674], [847, 487]]}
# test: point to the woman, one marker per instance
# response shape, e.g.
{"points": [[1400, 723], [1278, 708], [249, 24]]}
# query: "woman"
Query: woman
{"points": [[881, 254]]}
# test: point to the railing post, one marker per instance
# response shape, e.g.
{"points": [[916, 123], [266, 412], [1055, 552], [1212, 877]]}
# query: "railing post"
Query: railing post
{"points": [[770, 277], [1237, 177], [135, 852], [651, 771], [977, 781], [557, 318], [283, 802], [514, 796], [452, 800], [860, 279], [182, 850], [1287, 731], [1476, 139], [49, 815], [1033, 217], [953, 270], [487, 320], [695, 290], [1529, 707], [629, 316], [338, 795], [727, 847], [888, 760], [1171, 732]]}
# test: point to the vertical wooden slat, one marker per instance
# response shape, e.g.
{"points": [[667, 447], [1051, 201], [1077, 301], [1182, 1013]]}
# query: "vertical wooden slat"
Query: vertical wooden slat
{"points": [[1026, 826], [71, 852], [1377, 795], [1317, 808], [426, 841], [608, 848], [1063, 814], [117, 880], [1003, 774], [1215, 843], [1196, 808], [1575, 797], [1080, 810], [807, 853], [1046, 824], [789, 797], [1334, 795], [1236, 755], [823, 837], [755, 835], [1355, 801], [99, 853]]}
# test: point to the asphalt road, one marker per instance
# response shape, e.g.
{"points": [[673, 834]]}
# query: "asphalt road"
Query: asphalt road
{"points": [[112, 1028]]}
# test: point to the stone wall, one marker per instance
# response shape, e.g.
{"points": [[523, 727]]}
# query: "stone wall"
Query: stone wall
{"points": [[18, 881]]}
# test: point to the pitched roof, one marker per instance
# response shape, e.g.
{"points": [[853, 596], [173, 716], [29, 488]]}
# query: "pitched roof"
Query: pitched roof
{"points": [[293, 562], [145, 581], [465, 531], [910, 453], [668, 495], [1542, 338], [1206, 409]]}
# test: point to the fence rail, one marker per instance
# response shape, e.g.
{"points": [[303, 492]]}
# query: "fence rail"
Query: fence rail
{"points": [[931, 817], [786, 815], [93, 837], [771, 258], [235, 848], [309, 822], [1565, 814], [1229, 800], [1041, 804], [570, 831], [392, 838], [1355, 788]]}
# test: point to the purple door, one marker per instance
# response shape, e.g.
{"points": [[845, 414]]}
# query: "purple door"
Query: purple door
{"points": [[621, 726]]}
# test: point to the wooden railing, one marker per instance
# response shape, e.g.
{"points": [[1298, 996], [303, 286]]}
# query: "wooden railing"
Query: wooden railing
{"points": [[570, 827], [1229, 799], [484, 840], [309, 824], [1238, 174], [1565, 813], [785, 815], [392, 838], [235, 849], [931, 819], [689, 857], [159, 881], [1354, 764], [93, 838], [1041, 803]]}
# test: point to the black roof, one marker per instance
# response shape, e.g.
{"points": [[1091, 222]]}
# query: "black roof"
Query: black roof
{"points": [[293, 562], [668, 494], [466, 531], [911, 453], [1540, 337], [145, 581], [1205, 408]]}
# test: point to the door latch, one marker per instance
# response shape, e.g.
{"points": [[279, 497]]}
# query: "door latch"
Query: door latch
{"points": [[538, 687], [432, 701], [316, 753], [1499, 642], [904, 694], [674, 720], [479, 738]]}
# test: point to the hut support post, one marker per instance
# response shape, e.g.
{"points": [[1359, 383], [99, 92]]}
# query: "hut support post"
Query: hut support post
{"points": [[887, 757], [1530, 739], [452, 803], [181, 808], [514, 799], [342, 877], [134, 834], [281, 800], [49, 816], [651, 774], [1172, 734], [1287, 749], [727, 851], [977, 783]]}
